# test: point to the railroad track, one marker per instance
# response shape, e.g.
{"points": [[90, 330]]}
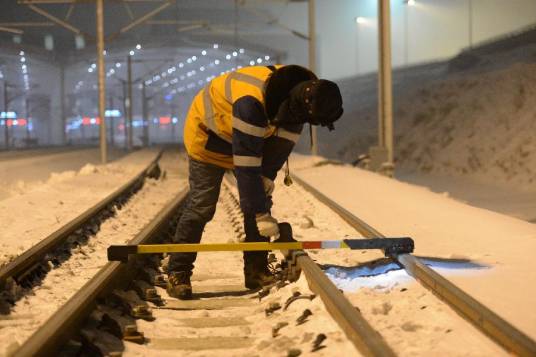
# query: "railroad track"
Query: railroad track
{"points": [[127, 302]]}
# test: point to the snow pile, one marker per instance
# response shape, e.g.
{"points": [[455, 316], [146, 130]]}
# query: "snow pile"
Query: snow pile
{"points": [[88, 169], [480, 125], [471, 116]]}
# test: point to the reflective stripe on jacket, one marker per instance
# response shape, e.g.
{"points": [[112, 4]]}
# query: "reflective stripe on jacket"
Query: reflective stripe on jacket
{"points": [[227, 126]]}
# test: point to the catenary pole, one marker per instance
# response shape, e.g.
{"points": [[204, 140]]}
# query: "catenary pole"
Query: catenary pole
{"points": [[312, 64], [100, 67], [385, 94], [129, 101], [62, 105], [6, 109], [145, 119]]}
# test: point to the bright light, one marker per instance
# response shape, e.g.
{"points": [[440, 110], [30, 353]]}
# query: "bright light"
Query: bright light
{"points": [[360, 20], [23, 59], [189, 60], [259, 60], [267, 58], [8, 115], [411, 2], [93, 66], [21, 53], [138, 46], [228, 57], [235, 54], [181, 65], [90, 70], [216, 62], [118, 64], [104, 52], [201, 68], [252, 63], [194, 58], [216, 46], [204, 53], [131, 53], [241, 50]]}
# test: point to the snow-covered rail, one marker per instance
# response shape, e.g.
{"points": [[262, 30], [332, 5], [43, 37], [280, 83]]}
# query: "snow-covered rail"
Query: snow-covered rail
{"points": [[36, 260], [487, 321]]}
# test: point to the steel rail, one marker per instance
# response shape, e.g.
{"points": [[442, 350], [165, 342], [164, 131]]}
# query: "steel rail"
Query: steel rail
{"points": [[37, 253], [363, 336], [487, 321], [65, 322]]}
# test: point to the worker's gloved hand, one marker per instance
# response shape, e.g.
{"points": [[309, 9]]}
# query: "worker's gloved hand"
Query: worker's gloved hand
{"points": [[268, 186], [267, 225]]}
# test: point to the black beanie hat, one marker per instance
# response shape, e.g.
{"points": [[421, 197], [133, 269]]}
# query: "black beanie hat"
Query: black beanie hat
{"points": [[318, 102], [280, 84]]}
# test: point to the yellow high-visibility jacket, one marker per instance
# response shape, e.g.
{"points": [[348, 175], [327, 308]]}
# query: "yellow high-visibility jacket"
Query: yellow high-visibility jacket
{"points": [[227, 126]]}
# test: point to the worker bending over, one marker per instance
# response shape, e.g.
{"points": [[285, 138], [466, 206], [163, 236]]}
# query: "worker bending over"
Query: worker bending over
{"points": [[247, 121]]}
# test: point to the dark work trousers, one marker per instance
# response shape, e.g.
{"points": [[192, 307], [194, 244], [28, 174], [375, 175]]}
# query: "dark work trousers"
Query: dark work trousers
{"points": [[205, 182]]}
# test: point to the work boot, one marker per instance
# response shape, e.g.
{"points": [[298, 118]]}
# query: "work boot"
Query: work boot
{"points": [[257, 278], [179, 285]]}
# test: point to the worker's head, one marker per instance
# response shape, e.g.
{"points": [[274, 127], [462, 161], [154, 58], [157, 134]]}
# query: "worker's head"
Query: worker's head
{"points": [[294, 95]]}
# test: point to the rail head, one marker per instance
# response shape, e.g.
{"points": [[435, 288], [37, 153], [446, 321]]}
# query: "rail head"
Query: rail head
{"points": [[365, 338]]}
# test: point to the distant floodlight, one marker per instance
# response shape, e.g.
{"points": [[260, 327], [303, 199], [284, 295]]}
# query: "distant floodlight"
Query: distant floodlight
{"points": [[131, 53], [411, 2], [49, 42], [21, 53], [360, 20], [118, 65], [138, 46], [79, 42], [228, 57], [259, 60], [216, 62], [241, 50], [252, 63], [235, 54], [204, 53], [267, 58], [216, 46]]}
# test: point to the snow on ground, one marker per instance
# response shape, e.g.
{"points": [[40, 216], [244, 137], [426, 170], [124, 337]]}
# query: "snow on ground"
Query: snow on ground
{"points": [[21, 171], [442, 227], [511, 200], [61, 283], [36, 212]]}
